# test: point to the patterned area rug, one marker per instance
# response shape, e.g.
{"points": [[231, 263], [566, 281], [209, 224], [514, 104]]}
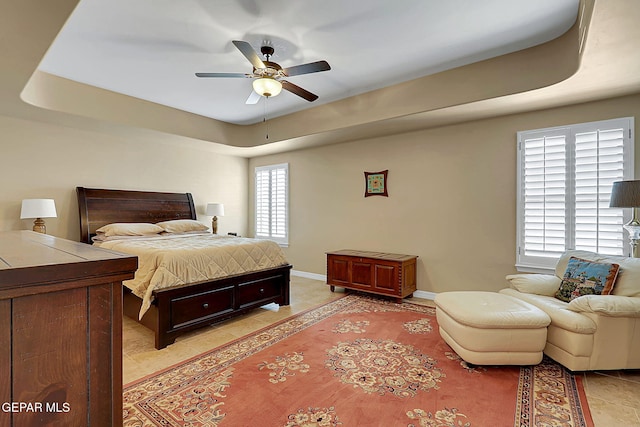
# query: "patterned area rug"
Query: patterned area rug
{"points": [[357, 361]]}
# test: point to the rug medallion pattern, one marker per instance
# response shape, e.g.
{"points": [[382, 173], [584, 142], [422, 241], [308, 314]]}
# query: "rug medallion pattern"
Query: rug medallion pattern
{"points": [[358, 360], [384, 367]]}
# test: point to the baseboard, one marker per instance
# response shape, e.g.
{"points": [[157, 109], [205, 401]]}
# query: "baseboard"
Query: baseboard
{"points": [[306, 275], [425, 295], [322, 277]]}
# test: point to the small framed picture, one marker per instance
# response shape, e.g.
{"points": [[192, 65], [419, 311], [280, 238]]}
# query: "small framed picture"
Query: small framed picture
{"points": [[376, 184]]}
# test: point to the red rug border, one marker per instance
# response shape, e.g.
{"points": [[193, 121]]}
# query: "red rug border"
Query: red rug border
{"points": [[584, 403]]}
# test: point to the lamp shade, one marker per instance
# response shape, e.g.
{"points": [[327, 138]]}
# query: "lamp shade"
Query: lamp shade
{"points": [[625, 194], [215, 209], [38, 208], [267, 86]]}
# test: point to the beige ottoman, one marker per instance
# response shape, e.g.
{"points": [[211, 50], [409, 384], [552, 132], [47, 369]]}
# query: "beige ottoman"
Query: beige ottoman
{"points": [[488, 328]]}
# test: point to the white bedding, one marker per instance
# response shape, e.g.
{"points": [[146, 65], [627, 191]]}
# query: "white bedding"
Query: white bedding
{"points": [[178, 259]]}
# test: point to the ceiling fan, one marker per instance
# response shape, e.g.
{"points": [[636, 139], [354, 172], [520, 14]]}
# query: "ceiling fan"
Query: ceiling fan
{"points": [[269, 76]]}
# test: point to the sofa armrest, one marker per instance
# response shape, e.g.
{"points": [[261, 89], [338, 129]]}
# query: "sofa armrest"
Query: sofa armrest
{"points": [[537, 284], [607, 305]]}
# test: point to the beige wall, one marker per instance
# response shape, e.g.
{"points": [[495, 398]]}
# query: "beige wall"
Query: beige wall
{"points": [[452, 196], [40, 160], [439, 180]]}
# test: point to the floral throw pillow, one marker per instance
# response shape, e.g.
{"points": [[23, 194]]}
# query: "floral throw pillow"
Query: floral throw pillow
{"points": [[584, 277]]}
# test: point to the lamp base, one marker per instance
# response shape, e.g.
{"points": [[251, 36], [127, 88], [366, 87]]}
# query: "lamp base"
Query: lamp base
{"points": [[214, 225], [633, 227], [635, 248], [39, 227]]}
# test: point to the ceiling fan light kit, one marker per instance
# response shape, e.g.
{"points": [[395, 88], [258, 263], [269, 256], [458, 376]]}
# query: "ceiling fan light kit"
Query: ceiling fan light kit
{"points": [[267, 86], [269, 75]]}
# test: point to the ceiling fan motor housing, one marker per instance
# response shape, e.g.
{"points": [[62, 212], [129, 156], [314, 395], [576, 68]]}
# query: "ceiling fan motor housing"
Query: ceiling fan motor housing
{"points": [[267, 51], [271, 70]]}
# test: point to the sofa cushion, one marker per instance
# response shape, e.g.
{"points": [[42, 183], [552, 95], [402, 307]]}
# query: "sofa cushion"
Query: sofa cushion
{"points": [[628, 281], [538, 284], [584, 277], [557, 311]]}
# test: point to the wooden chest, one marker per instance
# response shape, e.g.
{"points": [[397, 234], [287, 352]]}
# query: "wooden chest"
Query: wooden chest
{"points": [[376, 272]]}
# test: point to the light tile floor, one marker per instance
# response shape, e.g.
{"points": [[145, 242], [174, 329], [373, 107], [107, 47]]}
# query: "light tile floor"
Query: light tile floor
{"points": [[613, 396]]}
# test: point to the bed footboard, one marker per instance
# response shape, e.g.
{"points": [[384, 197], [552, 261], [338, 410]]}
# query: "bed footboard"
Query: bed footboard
{"points": [[180, 309]]}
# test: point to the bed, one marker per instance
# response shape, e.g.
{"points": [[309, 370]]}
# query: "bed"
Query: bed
{"points": [[175, 310]]}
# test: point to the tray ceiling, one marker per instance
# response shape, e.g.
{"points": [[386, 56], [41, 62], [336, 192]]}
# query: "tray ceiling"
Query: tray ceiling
{"points": [[150, 49]]}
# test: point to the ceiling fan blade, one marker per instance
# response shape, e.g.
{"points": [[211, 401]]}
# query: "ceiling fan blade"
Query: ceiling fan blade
{"points": [[253, 98], [312, 67], [242, 75], [249, 53], [303, 93]]}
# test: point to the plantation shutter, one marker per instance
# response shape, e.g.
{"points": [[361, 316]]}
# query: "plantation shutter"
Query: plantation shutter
{"points": [[271, 186], [545, 193], [599, 162], [565, 176], [262, 202]]}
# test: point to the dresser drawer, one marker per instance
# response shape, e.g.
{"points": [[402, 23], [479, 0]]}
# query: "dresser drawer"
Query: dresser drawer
{"points": [[198, 307], [254, 292]]}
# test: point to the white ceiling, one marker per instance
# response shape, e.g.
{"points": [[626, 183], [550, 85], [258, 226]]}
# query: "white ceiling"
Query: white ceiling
{"points": [[150, 49]]}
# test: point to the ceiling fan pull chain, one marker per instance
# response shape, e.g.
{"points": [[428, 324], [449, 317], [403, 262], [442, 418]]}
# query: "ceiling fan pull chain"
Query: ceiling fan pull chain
{"points": [[264, 120]]}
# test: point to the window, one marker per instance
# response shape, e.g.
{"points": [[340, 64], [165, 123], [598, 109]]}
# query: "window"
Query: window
{"points": [[565, 176], [272, 203]]}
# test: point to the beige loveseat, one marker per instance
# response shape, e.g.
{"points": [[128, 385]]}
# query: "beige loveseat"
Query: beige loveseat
{"points": [[591, 332]]}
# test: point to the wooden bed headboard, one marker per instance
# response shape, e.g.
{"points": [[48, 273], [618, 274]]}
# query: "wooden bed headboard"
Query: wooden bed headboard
{"points": [[99, 207]]}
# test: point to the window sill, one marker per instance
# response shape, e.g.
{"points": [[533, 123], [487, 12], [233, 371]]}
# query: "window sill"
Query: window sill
{"points": [[523, 268]]}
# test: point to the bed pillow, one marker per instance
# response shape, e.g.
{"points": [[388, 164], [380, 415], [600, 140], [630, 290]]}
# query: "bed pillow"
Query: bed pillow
{"points": [[182, 226], [129, 229], [584, 277], [99, 238], [537, 284]]}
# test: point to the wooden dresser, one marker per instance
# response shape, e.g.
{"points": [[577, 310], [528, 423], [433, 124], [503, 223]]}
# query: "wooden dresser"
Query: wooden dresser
{"points": [[60, 331], [376, 272]]}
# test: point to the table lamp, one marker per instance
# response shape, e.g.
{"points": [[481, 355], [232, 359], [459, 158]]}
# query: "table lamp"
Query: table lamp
{"points": [[38, 209], [215, 210], [626, 194]]}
